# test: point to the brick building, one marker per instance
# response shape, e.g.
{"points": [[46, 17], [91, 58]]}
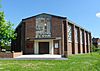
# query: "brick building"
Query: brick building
{"points": [[96, 42], [51, 34]]}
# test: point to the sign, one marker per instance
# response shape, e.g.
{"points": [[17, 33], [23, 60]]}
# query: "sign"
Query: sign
{"points": [[56, 45]]}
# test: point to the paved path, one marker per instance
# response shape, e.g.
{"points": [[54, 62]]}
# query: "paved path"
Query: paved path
{"points": [[36, 57], [40, 56], [33, 58]]}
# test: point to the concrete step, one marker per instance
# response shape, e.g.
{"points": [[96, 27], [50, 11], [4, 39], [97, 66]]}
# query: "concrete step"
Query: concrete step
{"points": [[39, 56]]}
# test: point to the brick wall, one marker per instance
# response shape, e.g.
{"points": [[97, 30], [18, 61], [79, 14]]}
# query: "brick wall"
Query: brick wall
{"points": [[69, 49], [6, 55], [56, 27], [81, 46], [56, 24], [30, 28], [29, 34], [23, 37], [76, 48], [29, 48], [10, 55]]}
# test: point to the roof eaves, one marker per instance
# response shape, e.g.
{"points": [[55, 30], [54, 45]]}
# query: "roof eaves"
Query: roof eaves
{"points": [[78, 25], [45, 14]]}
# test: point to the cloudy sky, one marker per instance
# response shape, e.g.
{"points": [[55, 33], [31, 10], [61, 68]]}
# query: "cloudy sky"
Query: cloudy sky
{"points": [[85, 13]]}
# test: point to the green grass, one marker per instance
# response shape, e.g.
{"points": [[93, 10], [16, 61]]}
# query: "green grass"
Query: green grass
{"points": [[82, 62]]}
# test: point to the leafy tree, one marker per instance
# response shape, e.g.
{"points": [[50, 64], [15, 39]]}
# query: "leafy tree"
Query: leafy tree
{"points": [[6, 31]]}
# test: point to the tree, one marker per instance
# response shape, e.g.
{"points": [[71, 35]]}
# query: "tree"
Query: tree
{"points": [[6, 31]]}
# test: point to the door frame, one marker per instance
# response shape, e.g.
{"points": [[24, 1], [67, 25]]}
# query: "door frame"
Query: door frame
{"points": [[36, 46]]}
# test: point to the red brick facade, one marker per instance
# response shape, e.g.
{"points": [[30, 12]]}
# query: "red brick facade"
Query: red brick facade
{"points": [[58, 42], [56, 27], [10, 55]]}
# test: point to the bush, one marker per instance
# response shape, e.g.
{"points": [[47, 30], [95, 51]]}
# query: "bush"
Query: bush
{"points": [[95, 49], [98, 50]]}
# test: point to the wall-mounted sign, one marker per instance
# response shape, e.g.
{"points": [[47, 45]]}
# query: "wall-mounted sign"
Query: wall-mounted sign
{"points": [[56, 45]]}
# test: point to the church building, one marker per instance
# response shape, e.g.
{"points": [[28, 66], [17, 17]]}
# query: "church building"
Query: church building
{"points": [[50, 34]]}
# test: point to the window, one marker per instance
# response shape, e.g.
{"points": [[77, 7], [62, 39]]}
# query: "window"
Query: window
{"points": [[81, 37], [69, 33], [88, 40], [76, 35], [85, 39], [43, 27]]}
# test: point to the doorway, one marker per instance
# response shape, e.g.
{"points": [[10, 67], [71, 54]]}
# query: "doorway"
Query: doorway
{"points": [[43, 47]]}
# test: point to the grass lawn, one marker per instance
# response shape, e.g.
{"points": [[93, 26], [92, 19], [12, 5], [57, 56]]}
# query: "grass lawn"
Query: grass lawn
{"points": [[82, 62]]}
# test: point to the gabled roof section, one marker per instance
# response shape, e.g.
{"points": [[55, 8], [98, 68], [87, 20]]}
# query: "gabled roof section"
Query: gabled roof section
{"points": [[44, 14], [65, 18], [38, 15]]}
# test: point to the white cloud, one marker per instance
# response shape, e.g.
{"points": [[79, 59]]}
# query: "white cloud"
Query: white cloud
{"points": [[98, 14]]}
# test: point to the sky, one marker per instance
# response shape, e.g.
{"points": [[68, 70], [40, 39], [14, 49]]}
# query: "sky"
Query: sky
{"points": [[85, 13]]}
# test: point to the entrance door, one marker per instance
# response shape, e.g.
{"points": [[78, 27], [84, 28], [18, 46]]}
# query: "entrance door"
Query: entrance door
{"points": [[43, 47]]}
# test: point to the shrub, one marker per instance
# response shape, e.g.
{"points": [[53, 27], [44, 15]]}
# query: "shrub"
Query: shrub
{"points": [[95, 49]]}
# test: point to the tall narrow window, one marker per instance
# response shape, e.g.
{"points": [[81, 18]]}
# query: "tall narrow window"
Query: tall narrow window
{"points": [[85, 39], [69, 33], [76, 35], [43, 27], [81, 36], [88, 40]]}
